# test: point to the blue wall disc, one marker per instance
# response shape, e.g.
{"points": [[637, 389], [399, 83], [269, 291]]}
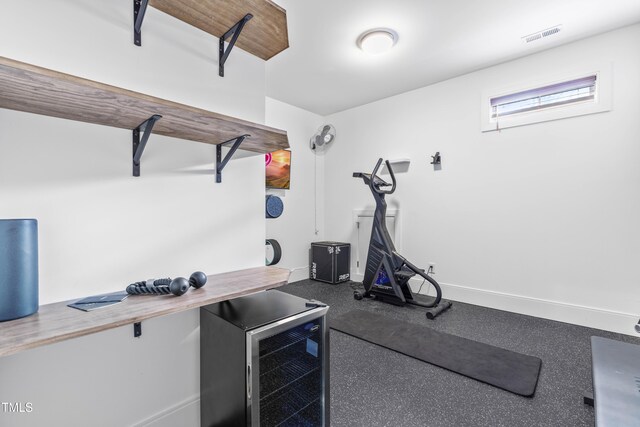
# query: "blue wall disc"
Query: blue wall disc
{"points": [[274, 206]]}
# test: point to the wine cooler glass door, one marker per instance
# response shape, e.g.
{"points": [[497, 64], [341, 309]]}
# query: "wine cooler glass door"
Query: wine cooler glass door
{"points": [[287, 381]]}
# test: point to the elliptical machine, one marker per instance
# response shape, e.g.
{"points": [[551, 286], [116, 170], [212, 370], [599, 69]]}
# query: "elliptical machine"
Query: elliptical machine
{"points": [[387, 273]]}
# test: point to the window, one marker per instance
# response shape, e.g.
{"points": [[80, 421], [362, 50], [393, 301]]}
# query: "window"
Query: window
{"points": [[585, 94], [578, 90]]}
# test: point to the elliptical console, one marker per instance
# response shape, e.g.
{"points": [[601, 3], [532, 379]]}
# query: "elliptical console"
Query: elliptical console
{"points": [[387, 273]]}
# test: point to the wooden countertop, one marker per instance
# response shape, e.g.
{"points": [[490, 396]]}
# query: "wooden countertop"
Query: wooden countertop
{"points": [[56, 322]]}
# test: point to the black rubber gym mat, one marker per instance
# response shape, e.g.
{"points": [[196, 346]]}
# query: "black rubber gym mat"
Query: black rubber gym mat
{"points": [[508, 370]]}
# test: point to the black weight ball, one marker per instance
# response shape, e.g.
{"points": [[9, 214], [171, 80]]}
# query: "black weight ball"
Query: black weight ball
{"points": [[179, 286], [198, 279]]}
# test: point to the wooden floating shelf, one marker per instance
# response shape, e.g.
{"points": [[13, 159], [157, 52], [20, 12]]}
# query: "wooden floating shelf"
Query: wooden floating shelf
{"points": [[33, 89], [56, 322], [264, 36]]}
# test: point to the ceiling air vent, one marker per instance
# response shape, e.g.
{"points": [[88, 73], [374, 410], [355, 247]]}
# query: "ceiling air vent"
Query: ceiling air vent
{"points": [[542, 34]]}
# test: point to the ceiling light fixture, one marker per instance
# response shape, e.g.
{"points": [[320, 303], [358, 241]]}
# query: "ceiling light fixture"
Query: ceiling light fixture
{"points": [[377, 40]]}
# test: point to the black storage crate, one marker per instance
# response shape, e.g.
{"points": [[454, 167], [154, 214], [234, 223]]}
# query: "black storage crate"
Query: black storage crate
{"points": [[330, 262]]}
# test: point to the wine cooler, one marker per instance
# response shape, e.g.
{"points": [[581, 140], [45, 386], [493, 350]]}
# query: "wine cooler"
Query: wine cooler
{"points": [[264, 361]]}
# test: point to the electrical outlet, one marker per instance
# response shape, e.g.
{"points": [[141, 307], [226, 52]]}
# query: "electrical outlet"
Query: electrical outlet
{"points": [[432, 268]]}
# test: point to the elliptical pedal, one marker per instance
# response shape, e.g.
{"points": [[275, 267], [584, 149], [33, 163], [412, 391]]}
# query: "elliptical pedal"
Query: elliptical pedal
{"points": [[405, 273]]}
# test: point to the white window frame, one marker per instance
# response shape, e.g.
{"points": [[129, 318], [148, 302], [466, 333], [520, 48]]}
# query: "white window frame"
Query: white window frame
{"points": [[601, 103]]}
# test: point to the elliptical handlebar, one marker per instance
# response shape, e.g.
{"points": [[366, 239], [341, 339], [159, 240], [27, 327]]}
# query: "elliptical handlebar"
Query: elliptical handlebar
{"points": [[374, 175]]}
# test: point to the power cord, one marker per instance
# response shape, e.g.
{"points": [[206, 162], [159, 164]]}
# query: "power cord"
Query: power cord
{"points": [[429, 271], [422, 284]]}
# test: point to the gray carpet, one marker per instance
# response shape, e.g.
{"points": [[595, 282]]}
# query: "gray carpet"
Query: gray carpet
{"points": [[373, 386]]}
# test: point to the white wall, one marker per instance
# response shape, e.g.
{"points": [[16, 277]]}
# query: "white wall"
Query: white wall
{"points": [[541, 219], [100, 228], [303, 215]]}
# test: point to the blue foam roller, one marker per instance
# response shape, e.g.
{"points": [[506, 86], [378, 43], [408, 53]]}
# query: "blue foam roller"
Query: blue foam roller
{"points": [[18, 268]]}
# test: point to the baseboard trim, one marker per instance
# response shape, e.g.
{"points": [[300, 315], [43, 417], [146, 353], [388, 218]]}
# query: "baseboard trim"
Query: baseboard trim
{"points": [[190, 404], [299, 273], [591, 317]]}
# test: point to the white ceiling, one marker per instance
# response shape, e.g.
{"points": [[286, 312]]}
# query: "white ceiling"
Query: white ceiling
{"points": [[323, 70]]}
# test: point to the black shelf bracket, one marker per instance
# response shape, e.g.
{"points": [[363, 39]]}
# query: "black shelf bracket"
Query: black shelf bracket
{"points": [[234, 33], [220, 162], [137, 329], [140, 143], [139, 9]]}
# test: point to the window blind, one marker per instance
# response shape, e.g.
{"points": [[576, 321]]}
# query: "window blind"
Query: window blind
{"points": [[568, 92]]}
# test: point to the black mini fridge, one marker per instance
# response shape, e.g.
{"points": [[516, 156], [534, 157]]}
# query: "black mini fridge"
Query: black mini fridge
{"points": [[264, 361]]}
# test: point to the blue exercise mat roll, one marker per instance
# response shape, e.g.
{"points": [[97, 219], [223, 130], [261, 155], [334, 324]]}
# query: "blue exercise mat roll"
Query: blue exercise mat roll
{"points": [[18, 268]]}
